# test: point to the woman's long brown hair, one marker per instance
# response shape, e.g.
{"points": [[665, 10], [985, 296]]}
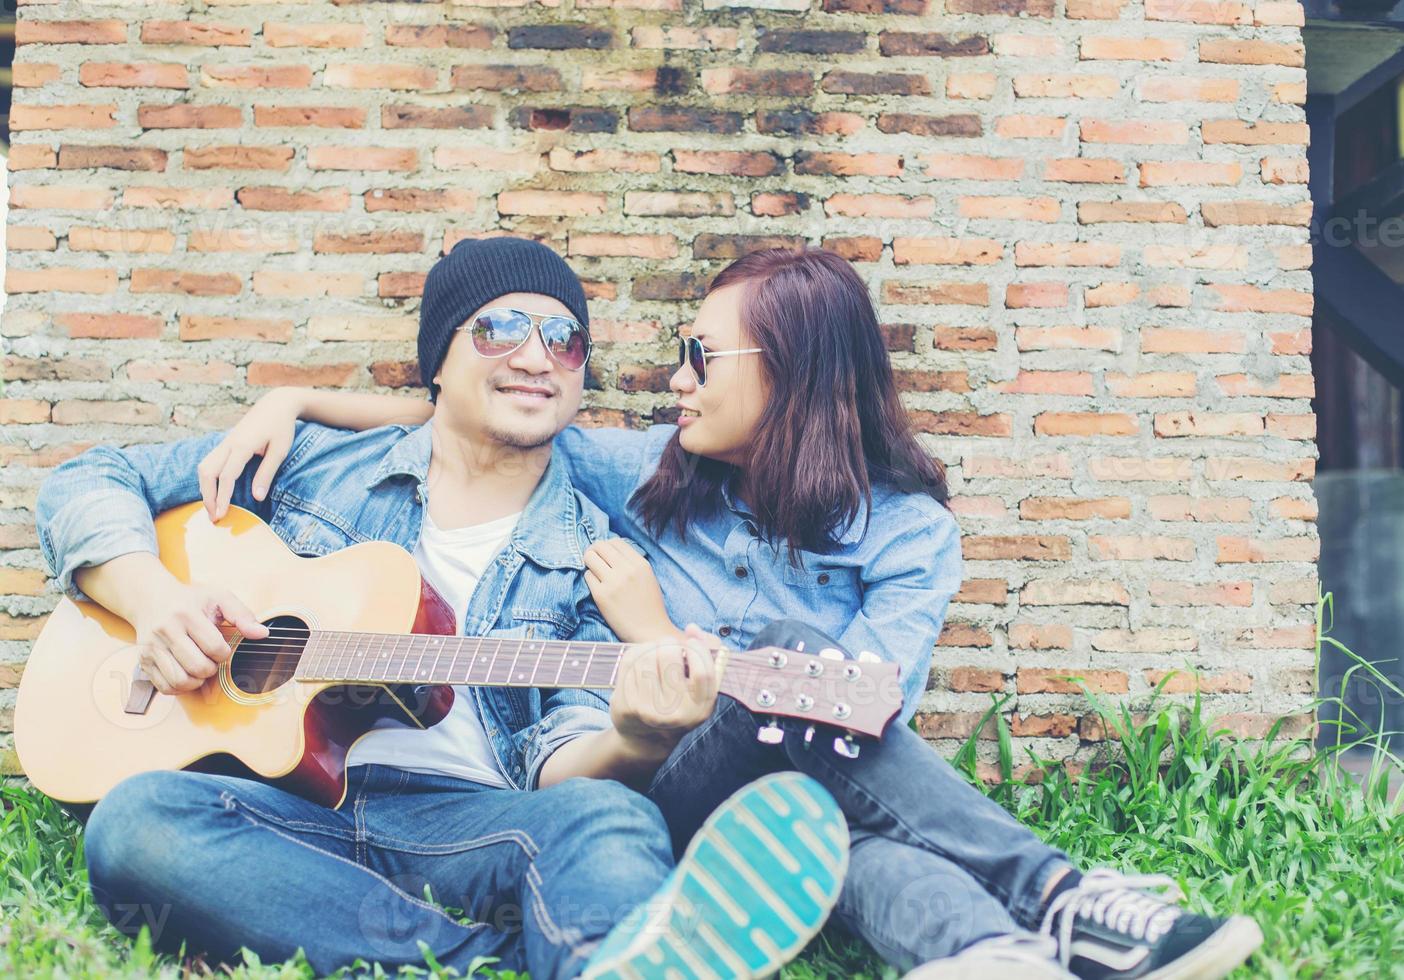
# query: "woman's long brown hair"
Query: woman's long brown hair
{"points": [[833, 427]]}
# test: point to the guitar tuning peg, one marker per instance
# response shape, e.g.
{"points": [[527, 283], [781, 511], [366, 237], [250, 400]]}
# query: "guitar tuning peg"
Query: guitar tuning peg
{"points": [[771, 733], [829, 653], [846, 747], [868, 657], [808, 735]]}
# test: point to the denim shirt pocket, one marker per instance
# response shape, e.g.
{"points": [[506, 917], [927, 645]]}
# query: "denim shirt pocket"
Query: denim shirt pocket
{"points": [[820, 574], [311, 530]]}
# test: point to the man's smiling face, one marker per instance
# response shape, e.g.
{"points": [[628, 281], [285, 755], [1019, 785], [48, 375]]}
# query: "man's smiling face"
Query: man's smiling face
{"points": [[520, 400]]}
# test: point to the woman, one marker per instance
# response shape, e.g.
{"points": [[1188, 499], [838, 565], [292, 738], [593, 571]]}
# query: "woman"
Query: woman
{"points": [[793, 488]]}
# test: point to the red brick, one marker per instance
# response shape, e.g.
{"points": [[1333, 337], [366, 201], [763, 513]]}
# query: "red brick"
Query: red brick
{"points": [[282, 34], [1152, 384], [1074, 508], [603, 161], [1067, 338], [629, 246], [439, 35], [180, 198], [1066, 254], [324, 116], [29, 30], [81, 412], [182, 116], [31, 156], [187, 283], [1036, 295], [1048, 383], [203, 33], [966, 167], [946, 251], [277, 158], [551, 203], [1111, 48], [937, 293], [1085, 170], [180, 372], [282, 199], [255, 76], [60, 280], [306, 285], [506, 78], [1242, 51], [1010, 208], [25, 117], [149, 240], [1085, 424], [1027, 547], [976, 679], [1254, 134], [1102, 547], [195, 328], [127, 74], [379, 158], [265, 374], [1237, 550], [848, 164], [365, 75], [1164, 593], [962, 424], [728, 162], [1064, 680], [965, 338], [368, 243], [419, 199]]}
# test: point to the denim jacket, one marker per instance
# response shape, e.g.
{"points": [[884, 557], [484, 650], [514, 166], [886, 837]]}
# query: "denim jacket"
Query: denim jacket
{"points": [[885, 588], [339, 488]]}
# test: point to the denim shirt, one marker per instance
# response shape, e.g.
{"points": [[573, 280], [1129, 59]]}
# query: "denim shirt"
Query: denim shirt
{"points": [[339, 488], [885, 590]]}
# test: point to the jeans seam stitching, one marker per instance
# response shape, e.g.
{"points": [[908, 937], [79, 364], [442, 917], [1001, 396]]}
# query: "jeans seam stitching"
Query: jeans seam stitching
{"points": [[921, 841], [303, 825], [275, 829]]}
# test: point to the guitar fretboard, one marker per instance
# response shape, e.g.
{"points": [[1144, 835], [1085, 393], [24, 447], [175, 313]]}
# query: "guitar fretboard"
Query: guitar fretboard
{"points": [[391, 658]]}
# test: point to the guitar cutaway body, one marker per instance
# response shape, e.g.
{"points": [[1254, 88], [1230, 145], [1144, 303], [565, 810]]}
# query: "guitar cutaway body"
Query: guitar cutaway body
{"points": [[85, 719]]}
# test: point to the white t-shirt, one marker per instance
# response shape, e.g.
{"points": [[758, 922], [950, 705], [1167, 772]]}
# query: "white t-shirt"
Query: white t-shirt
{"points": [[452, 562]]}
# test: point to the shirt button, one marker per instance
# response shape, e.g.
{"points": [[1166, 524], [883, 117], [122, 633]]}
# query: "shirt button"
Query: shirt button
{"points": [[724, 631], [824, 578], [740, 572]]}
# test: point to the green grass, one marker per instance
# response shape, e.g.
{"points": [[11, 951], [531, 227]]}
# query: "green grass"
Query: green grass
{"points": [[1272, 829]]}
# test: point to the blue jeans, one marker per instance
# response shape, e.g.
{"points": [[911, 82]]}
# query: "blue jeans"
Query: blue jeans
{"points": [[219, 862], [933, 865]]}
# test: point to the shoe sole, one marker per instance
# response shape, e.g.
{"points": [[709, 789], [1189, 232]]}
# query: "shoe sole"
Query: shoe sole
{"points": [[755, 885], [1235, 941], [988, 967]]}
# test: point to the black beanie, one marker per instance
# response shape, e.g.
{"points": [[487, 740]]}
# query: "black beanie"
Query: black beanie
{"points": [[481, 269]]}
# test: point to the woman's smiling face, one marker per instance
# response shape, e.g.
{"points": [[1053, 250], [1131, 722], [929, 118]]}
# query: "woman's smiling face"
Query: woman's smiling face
{"points": [[717, 420]]}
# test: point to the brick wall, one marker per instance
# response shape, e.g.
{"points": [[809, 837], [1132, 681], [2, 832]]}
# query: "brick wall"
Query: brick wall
{"points": [[1085, 221]]}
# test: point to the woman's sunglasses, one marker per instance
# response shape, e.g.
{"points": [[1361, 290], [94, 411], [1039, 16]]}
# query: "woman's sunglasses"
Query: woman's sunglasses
{"points": [[499, 331], [694, 355]]}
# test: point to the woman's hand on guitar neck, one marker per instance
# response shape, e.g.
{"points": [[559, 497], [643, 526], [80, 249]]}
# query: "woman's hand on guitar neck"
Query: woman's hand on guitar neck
{"points": [[181, 645]]}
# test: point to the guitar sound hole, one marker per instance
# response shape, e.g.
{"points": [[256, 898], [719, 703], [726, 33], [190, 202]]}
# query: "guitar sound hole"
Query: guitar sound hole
{"points": [[260, 666]]}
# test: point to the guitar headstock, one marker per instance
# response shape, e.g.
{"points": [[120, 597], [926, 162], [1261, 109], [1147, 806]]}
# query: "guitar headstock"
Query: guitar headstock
{"points": [[858, 696]]}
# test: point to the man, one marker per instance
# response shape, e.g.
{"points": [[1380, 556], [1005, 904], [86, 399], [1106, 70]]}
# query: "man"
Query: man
{"points": [[559, 875]]}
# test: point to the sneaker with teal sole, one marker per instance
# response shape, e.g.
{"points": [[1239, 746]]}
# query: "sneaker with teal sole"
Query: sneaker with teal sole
{"points": [[755, 885]]}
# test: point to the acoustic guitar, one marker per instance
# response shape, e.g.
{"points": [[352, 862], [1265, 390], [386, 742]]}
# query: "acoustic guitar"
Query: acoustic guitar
{"points": [[357, 641]]}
